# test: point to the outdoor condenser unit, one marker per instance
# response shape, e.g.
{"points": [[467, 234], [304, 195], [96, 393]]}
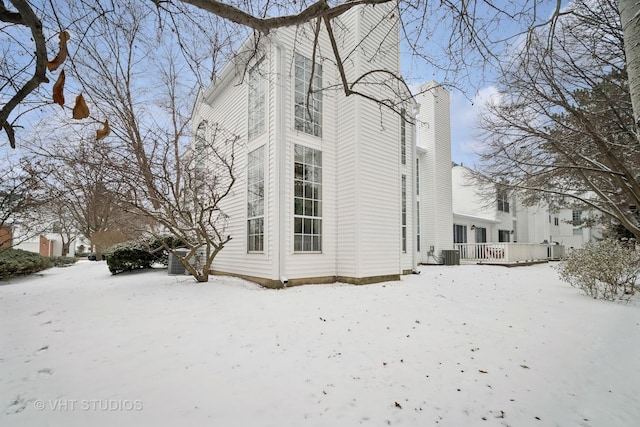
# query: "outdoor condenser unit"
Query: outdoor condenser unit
{"points": [[451, 257]]}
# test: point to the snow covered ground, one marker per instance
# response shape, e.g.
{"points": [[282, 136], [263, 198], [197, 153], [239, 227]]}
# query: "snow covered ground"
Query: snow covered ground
{"points": [[454, 346]]}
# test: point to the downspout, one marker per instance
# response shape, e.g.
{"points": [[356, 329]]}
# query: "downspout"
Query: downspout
{"points": [[415, 177], [281, 159]]}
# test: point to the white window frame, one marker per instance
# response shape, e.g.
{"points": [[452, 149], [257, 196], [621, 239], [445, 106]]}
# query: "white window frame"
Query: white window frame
{"points": [[459, 233], [255, 200], [503, 200], [256, 100], [403, 136], [307, 200], [307, 116]]}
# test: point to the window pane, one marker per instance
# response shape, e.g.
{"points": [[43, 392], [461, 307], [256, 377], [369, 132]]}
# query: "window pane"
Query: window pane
{"points": [[307, 199], [307, 114], [255, 200]]}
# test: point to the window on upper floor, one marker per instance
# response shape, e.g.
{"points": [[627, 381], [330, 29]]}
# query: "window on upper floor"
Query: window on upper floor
{"points": [[256, 100], [417, 176], [576, 217], [255, 200], [308, 101], [307, 201], [403, 136], [503, 200]]}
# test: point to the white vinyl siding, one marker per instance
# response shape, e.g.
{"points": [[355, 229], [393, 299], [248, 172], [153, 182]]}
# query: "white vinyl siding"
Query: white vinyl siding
{"points": [[308, 103], [256, 100], [255, 200], [307, 234]]}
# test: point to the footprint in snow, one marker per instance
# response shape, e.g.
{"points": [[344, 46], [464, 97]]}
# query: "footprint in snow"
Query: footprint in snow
{"points": [[18, 405], [46, 372]]}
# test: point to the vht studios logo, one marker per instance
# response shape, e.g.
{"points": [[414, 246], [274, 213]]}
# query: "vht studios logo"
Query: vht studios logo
{"points": [[108, 405]]}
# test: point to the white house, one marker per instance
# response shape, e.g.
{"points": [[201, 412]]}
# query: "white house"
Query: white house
{"points": [[326, 184], [488, 215]]}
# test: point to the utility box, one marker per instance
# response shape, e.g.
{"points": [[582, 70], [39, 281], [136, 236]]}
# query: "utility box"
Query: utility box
{"points": [[451, 257], [175, 266]]}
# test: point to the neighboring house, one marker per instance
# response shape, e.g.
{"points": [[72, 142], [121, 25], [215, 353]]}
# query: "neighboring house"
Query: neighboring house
{"points": [[49, 244], [326, 184], [484, 214], [6, 237], [480, 214], [565, 226]]}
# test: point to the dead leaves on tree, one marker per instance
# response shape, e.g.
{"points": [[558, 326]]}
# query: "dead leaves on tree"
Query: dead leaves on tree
{"points": [[62, 52], [58, 89], [80, 109], [102, 133]]}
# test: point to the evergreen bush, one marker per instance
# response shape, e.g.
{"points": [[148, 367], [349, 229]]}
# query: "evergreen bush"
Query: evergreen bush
{"points": [[139, 254], [15, 262], [128, 256], [607, 269]]}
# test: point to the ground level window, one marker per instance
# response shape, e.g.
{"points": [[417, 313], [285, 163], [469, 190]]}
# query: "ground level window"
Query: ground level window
{"points": [[504, 235], [307, 215], [459, 233], [255, 200], [404, 213]]}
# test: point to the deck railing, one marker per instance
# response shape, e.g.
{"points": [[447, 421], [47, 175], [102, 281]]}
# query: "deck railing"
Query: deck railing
{"points": [[508, 252]]}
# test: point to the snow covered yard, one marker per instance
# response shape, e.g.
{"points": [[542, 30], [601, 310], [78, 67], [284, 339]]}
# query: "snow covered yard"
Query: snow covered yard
{"points": [[454, 346]]}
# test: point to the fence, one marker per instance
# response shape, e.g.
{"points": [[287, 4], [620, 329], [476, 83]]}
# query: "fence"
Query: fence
{"points": [[508, 252]]}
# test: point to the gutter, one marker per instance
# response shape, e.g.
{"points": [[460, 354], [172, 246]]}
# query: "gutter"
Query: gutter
{"points": [[280, 154]]}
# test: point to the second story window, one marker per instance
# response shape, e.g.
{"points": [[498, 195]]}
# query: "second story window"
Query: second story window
{"points": [[503, 200], [403, 136], [417, 176], [256, 101], [308, 103], [576, 217]]}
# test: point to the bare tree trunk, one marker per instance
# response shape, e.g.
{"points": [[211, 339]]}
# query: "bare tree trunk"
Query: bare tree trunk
{"points": [[630, 18]]}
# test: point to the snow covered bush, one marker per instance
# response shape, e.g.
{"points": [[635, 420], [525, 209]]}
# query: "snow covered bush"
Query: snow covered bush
{"points": [[128, 256], [137, 254], [607, 269], [14, 262]]}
